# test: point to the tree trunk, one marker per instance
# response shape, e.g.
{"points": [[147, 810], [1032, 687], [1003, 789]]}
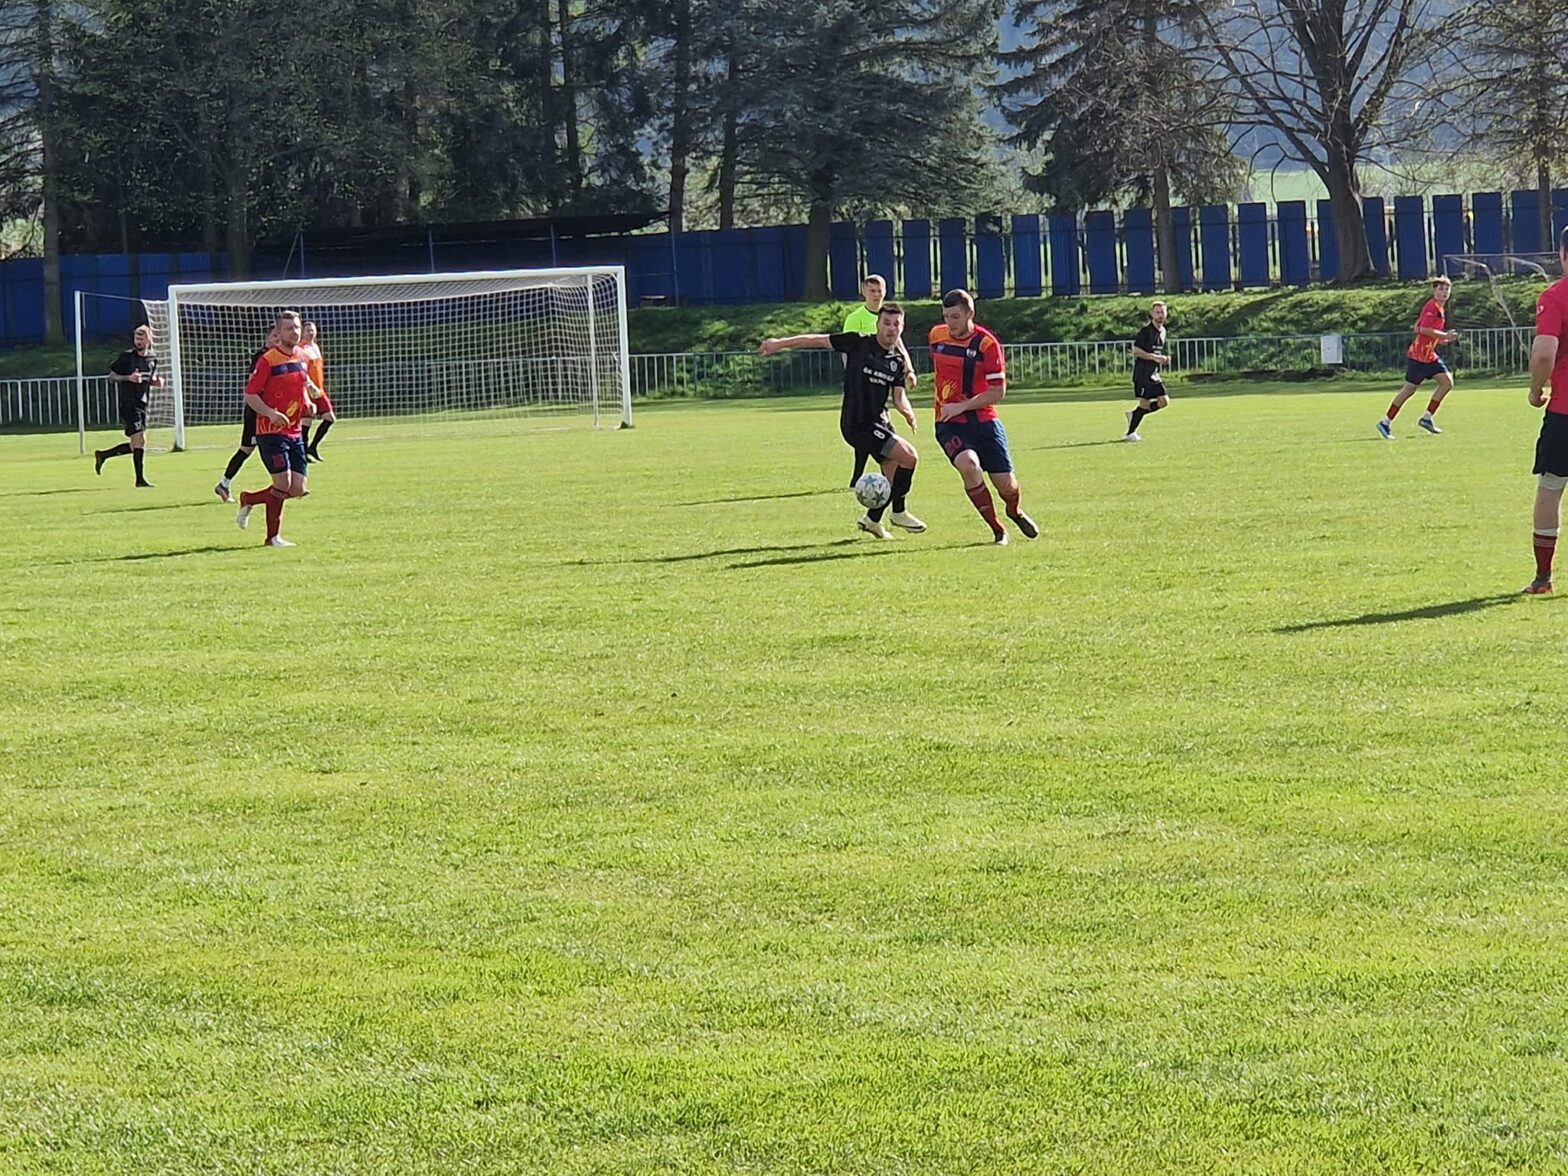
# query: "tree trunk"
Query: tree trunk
{"points": [[237, 237], [818, 227], [1543, 186], [729, 151], [680, 125], [54, 323], [1165, 230], [1350, 230], [568, 102]]}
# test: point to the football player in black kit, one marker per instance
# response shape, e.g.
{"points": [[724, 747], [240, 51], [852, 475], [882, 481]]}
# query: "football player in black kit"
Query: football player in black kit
{"points": [[1148, 357], [874, 369], [136, 372]]}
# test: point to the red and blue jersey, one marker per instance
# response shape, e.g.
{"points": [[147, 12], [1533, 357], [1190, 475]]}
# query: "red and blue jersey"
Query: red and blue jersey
{"points": [[1433, 317], [279, 379], [965, 367]]}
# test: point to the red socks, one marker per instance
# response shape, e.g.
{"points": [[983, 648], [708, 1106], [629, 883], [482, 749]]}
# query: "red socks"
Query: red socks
{"points": [[1431, 406], [1010, 501], [981, 497], [275, 500], [1545, 549], [1393, 411], [254, 497]]}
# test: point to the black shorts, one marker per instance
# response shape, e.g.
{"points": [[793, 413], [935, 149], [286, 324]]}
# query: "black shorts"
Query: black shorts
{"points": [[876, 439], [1417, 372], [1148, 389], [248, 429], [1551, 448], [987, 438], [133, 420]]}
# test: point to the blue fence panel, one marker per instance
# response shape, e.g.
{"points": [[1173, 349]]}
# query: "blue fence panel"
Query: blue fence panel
{"points": [[1410, 237], [1487, 226], [1252, 244], [1559, 217], [1448, 228], [1375, 217], [879, 253], [1181, 220], [952, 252], [1525, 207], [1063, 232], [1295, 260], [1099, 235], [1214, 239], [990, 257], [1328, 243], [794, 247], [22, 302], [917, 259], [1027, 274], [844, 261], [1138, 234]]}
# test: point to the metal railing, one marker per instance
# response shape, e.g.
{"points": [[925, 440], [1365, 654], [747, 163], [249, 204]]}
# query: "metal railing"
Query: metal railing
{"points": [[51, 403]]}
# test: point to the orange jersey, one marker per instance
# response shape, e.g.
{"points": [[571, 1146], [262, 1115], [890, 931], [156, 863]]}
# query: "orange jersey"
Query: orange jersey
{"points": [[962, 368], [279, 379], [1424, 349], [315, 365]]}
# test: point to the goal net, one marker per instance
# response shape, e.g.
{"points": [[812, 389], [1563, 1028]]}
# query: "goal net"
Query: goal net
{"points": [[507, 345], [1496, 268]]}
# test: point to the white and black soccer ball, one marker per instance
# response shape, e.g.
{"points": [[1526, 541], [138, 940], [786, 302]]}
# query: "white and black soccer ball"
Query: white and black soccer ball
{"points": [[873, 490]]}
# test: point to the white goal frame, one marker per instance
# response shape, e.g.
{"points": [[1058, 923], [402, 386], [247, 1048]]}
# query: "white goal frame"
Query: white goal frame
{"points": [[306, 293]]}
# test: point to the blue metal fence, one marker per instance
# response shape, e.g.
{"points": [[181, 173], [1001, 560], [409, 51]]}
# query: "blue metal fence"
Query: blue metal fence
{"points": [[1218, 247]]}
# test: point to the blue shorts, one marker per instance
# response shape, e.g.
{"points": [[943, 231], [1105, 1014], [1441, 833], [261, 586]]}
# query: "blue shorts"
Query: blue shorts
{"points": [[281, 454], [1417, 372], [987, 438]]}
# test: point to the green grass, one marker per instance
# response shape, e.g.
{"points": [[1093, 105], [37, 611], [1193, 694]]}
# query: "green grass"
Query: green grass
{"points": [[579, 802]]}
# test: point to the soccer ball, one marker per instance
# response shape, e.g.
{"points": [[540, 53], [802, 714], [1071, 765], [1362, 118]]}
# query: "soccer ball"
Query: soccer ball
{"points": [[873, 490]]}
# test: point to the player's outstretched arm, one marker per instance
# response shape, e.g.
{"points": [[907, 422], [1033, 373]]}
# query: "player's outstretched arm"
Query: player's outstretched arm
{"points": [[789, 342]]}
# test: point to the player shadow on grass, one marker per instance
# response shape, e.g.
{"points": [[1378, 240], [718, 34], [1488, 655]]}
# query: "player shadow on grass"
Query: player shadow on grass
{"points": [[155, 506], [866, 551], [763, 497], [211, 549], [1425, 613], [720, 554], [66, 490]]}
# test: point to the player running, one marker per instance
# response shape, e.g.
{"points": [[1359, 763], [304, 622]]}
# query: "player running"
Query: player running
{"points": [[316, 366], [970, 373], [1148, 357], [1549, 388], [875, 365], [1424, 363], [277, 392], [862, 320], [224, 488], [136, 373]]}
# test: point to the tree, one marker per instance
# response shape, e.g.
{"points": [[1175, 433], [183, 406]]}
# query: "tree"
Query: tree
{"points": [[1514, 93], [29, 136], [1335, 80], [1111, 94], [863, 107]]}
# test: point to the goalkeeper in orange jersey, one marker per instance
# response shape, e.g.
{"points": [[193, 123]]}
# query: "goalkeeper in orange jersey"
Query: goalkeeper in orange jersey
{"points": [[315, 366]]}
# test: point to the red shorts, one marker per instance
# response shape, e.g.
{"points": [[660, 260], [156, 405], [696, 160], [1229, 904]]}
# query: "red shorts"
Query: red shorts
{"points": [[323, 405]]}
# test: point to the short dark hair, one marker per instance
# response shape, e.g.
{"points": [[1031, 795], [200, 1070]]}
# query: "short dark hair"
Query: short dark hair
{"points": [[890, 308], [958, 298]]}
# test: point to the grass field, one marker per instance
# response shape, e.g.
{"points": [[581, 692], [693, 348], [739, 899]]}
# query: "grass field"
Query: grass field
{"points": [[582, 802]]}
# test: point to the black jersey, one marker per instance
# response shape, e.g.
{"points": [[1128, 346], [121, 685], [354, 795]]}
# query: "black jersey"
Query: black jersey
{"points": [[134, 396], [871, 372], [1151, 340]]}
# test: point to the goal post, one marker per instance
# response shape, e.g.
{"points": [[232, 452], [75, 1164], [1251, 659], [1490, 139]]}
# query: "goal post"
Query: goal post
{"points": [[415, 349]]}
